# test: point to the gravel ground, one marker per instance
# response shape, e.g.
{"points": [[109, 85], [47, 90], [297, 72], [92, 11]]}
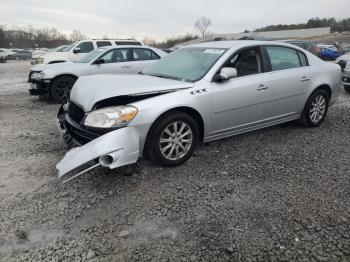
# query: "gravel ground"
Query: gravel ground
{"points": [[278, 194]]}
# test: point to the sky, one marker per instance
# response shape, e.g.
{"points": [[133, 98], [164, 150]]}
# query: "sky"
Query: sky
{"points": [[160, 19]]}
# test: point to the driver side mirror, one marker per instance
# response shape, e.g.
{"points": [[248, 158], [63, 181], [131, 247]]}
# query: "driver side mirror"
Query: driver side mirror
{"points": [[227, 73], [76, 50], [99, 61]]}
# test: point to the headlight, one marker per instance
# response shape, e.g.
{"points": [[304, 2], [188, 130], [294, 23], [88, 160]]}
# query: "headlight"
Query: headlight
{"points": [[40, 60], [111, 117], [37, 76]]}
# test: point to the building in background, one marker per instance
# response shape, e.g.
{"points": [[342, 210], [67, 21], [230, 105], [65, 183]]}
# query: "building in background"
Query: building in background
{"points": [[268, 35]]}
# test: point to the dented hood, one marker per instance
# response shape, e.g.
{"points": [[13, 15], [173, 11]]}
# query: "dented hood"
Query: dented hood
{"points": [[90, 89]]}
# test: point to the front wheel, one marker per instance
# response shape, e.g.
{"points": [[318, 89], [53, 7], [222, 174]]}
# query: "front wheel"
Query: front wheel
{"points": [[315, 109], [347, 88], [60, 88], [173, 139]]}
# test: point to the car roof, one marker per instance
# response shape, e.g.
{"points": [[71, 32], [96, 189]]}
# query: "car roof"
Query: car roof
{"points": [[123, 46], [237, 44]]}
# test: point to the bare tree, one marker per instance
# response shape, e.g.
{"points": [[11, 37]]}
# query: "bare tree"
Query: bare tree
{"points": [[202, 25], [77, 36]]}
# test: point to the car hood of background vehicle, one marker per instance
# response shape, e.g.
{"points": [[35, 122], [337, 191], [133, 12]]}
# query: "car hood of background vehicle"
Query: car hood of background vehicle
{"points": [[90, 89], [49, 56], [41, 67]]}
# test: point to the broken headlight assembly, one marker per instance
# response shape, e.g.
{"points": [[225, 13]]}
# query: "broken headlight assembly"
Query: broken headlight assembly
{"points": [[111, 117], [37, 76]]}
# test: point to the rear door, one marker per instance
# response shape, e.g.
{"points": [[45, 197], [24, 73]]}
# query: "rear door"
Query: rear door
{"points": [[290, 78], [142, 58], [116, 61]]}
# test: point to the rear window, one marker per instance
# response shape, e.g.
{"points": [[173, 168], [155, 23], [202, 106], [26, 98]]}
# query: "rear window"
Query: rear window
{"points": [[127, 43]]}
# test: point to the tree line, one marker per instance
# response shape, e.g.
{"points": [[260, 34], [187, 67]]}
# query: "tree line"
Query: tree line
{"points": [[335, 25], [29, 37]]}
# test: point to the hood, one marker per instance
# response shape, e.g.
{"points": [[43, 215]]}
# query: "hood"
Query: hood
{"points": [[41, 67], [88, 90], [55, 55]]}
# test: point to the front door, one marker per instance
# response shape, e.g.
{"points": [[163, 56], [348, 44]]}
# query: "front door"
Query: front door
{"points": [[240, 103], [116, 61]]}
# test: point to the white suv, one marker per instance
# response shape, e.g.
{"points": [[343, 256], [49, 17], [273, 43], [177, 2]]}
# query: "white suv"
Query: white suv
{"points": [[79, 49]]}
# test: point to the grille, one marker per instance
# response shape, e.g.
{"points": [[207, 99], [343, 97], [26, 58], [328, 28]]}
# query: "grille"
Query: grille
{"points": [[75, 112], [342, 64]]}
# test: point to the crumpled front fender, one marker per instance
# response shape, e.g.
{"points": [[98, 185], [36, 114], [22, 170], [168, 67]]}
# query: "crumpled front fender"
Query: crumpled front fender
{"points": [[114, 149]]}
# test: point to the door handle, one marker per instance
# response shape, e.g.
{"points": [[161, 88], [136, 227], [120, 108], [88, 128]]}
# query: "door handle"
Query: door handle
{"points": [[304, 79], [125, 66], [262, 87]]}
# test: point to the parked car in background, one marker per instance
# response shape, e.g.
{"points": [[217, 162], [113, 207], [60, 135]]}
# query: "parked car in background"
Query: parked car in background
{"points": [[2, 56], [329, 46], [198, 93], [345, 49], [8, 53], [57, 79], [344, 62], [39, 51], [307, 45], [57, 49], [22, 55], [328, 54], [79, 49]]}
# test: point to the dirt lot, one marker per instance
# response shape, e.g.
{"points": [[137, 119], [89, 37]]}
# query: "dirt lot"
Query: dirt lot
{"points": [[279, 194]]}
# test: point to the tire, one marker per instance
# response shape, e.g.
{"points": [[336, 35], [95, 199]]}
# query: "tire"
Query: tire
{"points": [[175, 154], [315, 109], [347, 88], [60, 88]]}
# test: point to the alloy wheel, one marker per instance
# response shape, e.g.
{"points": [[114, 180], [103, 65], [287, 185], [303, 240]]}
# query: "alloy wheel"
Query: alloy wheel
{"points": [[176, 140], [63, 88], [317, 108]]}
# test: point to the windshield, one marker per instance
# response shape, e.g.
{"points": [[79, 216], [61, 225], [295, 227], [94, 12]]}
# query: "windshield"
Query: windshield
{"points": [[68, 48], [89, 57], [186, 64]]}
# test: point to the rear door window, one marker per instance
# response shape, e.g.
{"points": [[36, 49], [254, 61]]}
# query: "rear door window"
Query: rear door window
{"points": [[283, 58], [117, 56], [141, 54], [103, 43]]}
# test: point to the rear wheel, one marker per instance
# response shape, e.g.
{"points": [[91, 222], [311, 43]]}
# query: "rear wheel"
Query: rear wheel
{"points": [[315, 109], [173, 139], [60, 88], [347, 88]]}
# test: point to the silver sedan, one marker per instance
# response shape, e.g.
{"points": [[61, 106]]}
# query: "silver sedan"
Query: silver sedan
{"points": [[196, 94]]}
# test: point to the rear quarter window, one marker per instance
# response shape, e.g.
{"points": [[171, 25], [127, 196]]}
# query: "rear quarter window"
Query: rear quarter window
{"points": [[127, 43], [103, 43]]}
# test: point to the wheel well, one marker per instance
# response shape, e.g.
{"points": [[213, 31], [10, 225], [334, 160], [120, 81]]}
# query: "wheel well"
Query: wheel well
{"points": [[325, 88], [70, 75], [188, 110]]}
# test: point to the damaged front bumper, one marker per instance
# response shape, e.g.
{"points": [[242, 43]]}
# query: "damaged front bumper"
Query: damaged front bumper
{"points": [[38, 86], [114, 149]]}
